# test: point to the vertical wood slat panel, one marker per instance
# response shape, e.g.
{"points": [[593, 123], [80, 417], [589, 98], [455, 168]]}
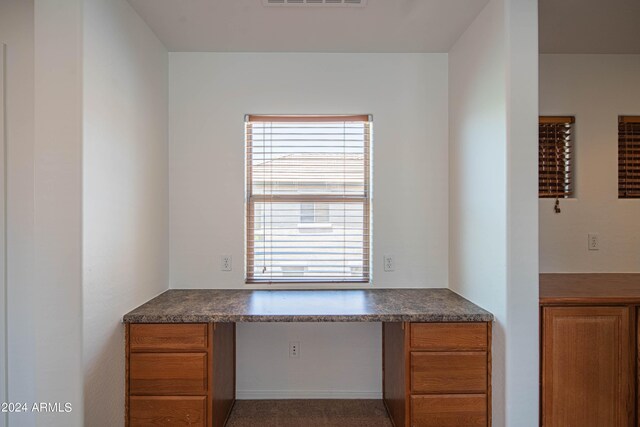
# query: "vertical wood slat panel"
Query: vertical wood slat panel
{"points": [[395, 372], [222, 389]]}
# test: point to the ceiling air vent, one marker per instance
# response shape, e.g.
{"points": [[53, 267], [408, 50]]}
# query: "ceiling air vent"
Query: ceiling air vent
{"points": [[316, 3]]}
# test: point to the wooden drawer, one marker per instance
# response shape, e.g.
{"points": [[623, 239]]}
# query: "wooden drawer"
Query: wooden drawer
{"points": [[457, 372], [167, 337], [449, 336], [449, 410], [167, 411], [168, 373]]}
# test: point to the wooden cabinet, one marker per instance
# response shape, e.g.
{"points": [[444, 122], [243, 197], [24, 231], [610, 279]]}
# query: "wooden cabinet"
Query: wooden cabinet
{"points": [[588, 350], [437, 374], [587, 367], [180, 374]]}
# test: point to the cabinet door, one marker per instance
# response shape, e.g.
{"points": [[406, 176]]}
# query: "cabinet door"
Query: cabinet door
{"points": [[586, 367]]}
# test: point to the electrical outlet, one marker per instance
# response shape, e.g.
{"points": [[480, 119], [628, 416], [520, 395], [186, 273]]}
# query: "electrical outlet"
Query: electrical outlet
{"points": [[225, 263], [389, 263], [294, 349], [594, 242]]}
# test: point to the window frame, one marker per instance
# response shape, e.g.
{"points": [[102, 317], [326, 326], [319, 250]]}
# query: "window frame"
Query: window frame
{"points": [[251, 199]]}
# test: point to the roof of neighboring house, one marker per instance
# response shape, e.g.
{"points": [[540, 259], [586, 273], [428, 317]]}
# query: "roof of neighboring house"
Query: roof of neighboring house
{"points": [[312, 167]]}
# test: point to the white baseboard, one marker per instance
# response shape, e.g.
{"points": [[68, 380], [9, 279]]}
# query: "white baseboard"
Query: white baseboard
{"points": [[305, 394]]}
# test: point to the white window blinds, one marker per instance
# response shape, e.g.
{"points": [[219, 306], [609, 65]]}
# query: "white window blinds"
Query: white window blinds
{"points": [[308, 198]]}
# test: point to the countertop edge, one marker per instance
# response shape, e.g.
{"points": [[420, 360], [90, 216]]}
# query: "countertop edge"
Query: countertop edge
{"points": [[434, 318], [589, 300]]}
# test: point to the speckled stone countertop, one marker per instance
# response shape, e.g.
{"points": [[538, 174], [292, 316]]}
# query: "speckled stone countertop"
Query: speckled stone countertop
{"points": [[371, 305]]}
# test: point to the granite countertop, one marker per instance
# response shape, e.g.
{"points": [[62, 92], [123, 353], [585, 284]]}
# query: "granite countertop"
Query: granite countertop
{"points": [[372, 305]]}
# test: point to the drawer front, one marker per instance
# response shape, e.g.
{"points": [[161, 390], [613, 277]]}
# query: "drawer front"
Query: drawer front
{"points": [[168, 373], [456, 372], [449, 336], [449, 410], [159, 337], [167, 411]]}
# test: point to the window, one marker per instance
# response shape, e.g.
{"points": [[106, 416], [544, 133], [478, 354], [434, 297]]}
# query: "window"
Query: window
{"points": [[308, 198], [314, 212], [307, 212], [555, 157], [629, 157]]}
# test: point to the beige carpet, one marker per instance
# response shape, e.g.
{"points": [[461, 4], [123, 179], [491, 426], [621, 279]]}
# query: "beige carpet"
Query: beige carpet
{"points": [[309, 413]]}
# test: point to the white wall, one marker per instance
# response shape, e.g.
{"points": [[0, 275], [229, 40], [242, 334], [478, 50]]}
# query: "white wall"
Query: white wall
{"points": [[210, 94], [493, 223], [477, 178], [4, 356], [125, 199], [17, 32], [522, 344], [596, 89], [337, 361], [57, 296], [125, 192]]}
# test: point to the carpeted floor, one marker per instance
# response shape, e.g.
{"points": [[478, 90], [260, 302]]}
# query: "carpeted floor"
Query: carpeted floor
{"points": [[309, 413]]}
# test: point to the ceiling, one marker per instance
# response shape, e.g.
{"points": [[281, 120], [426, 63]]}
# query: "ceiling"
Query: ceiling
{"points": [[248, 26], [589, 26]]}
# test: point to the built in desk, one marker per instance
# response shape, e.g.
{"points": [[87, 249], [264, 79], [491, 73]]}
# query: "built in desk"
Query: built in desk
{"points": [[436, 351]]}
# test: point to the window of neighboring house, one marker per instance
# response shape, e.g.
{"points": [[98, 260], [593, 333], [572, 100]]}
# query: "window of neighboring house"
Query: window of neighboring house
{"points": [[308, 198], [314, 213], [322, 212], [307, 212], [629, 157], [555, 156]]}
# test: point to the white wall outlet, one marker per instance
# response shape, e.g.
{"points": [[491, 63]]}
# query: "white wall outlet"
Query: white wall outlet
{"points": [[389, 263], [594, 242], [225, 263], [294, 349]]}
